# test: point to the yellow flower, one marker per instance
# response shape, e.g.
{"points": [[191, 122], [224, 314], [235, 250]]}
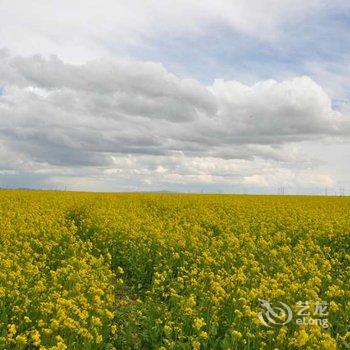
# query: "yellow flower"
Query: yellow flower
{"points": [[236, 334], [167, 329], [328, 344], [35, 335], [54, 324], [61, 346], [99, 339], [198, 323], [12, 329], [114, 329], [195, 344], [96, 321], [47, 331], [300, 338], [109, 314], [282, 334], [203, 335], [27, 319], [21, 339]]}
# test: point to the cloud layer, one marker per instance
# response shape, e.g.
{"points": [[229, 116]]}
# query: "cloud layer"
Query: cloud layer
{"points": [[102, 113]]}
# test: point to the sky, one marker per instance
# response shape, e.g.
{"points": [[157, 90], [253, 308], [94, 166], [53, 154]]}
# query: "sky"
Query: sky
{"points": [[239, 96]]}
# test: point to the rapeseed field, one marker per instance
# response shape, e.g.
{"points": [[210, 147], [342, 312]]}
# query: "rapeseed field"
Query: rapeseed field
{"points": [[172, 271]]}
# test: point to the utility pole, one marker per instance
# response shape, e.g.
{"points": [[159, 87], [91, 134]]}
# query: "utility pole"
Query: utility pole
{"points": [[280, 190]]}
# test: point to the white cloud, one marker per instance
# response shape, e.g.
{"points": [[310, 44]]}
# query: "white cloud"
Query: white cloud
{"points": [[80, 30], [136, 172], [112, 106], [274, 111], [135, 119]]}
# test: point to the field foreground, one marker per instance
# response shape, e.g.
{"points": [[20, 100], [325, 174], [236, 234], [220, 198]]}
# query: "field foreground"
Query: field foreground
{"points": [[168, 271]]}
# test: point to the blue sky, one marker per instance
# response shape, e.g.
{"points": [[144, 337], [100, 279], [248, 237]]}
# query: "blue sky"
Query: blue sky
{"points": [[222, 52], [188, 95]]}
